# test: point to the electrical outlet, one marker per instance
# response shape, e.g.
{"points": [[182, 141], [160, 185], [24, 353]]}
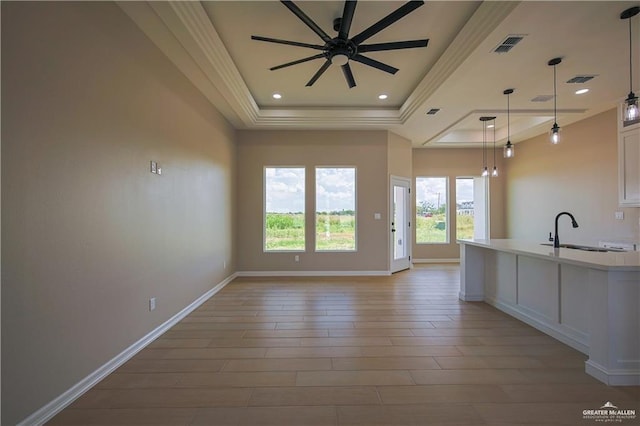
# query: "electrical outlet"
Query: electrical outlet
{"points": [[152, 304], [619, 215], [296, 258]]}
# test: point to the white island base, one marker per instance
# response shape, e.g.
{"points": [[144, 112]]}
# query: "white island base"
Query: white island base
{"points": [[590, 301]]}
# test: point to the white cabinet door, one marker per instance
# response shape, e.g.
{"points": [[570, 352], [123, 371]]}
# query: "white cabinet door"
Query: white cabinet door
{"points": [[629, 166]]}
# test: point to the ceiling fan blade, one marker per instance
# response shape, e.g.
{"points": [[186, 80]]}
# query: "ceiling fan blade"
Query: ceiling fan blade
{"points": [[408, 44], [394, 16], [347, 17], [308, 21], [375, 64], [348, 75], [299, 61], [288, 42], [317, 75]]}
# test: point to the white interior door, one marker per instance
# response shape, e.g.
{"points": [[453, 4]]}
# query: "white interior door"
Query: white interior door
{"points": [[400, 224]]}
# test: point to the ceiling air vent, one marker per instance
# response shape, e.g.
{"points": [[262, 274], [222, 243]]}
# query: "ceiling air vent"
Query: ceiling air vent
{"points": [[508, 43], [542, 98], [433, 111], [580, 79]]}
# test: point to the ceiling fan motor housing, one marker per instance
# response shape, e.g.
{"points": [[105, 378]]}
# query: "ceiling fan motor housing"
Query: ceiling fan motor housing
{"points": [[338, 49]]}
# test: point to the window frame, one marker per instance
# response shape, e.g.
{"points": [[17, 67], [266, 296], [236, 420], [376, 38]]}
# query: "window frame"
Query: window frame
{"points": [[355, 209], [456, 200], [264, 210], [447, 214]]}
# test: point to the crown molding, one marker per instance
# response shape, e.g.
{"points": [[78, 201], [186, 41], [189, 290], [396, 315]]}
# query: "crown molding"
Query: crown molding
{"points": [[191, 25], [207, 63]]}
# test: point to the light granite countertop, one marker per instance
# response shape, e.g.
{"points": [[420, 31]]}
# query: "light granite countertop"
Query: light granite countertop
{"points": [[609, 261]]}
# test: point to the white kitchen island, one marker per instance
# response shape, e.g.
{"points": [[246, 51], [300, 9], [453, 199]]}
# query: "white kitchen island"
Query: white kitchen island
{"points": [[588, 300]]}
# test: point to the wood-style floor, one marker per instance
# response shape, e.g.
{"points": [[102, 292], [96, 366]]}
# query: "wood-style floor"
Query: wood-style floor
{"points": [[399, 350]]}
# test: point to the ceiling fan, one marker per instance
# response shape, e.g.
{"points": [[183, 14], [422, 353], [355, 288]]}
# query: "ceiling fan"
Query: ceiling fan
{"points": [[341, 49]]}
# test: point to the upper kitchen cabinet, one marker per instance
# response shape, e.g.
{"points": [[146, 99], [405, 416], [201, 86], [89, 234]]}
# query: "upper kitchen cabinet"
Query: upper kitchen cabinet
{"points": [[628, 162]]}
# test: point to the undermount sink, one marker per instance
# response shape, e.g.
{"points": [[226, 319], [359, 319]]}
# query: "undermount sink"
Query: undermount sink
{"points": [[583, 248]]}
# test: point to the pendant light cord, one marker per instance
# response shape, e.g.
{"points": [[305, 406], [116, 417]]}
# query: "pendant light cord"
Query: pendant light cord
{"points": [[555, 97], [484, 144], [508, 121], [630, 61], [494, 143]]}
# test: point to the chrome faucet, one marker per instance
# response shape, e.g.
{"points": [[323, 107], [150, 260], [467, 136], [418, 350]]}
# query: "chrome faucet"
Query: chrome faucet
{"points": [[556, 240]]}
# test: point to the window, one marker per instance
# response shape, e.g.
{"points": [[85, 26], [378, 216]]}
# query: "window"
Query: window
{"points": [[431, 210], [472, 203], [284, 209], [335, 209], [465, 211]]}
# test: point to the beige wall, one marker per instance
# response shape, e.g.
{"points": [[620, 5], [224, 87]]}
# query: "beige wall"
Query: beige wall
{"points": [[366, 150], [88, 233], [399, 156], [579, 175], [452, 163]]}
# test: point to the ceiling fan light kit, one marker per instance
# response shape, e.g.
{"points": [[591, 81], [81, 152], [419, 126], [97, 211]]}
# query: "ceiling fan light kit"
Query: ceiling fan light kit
{"points": [[340, 50]]}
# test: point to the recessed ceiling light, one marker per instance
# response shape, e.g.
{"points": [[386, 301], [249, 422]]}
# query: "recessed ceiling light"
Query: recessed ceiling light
{"points": [[581, 91], [277, 96], [490, 126], [382, 97]]}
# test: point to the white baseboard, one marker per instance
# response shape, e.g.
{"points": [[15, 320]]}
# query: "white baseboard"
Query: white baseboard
{"points": [[455, 260], [613, 377], [470, 297], [311, 273], [536, 323], [47, 412]]}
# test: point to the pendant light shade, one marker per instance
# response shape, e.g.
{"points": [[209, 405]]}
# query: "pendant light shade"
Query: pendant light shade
{"points": [[485, 169], [631, 112], [631, 108], [508, 150], [554, 133]]}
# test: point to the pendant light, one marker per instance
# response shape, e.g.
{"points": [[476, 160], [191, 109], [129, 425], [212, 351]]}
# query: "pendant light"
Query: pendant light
{"points": [[494, 172], [509, 151], [554, 133], [631, 103], [485, 170]]}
